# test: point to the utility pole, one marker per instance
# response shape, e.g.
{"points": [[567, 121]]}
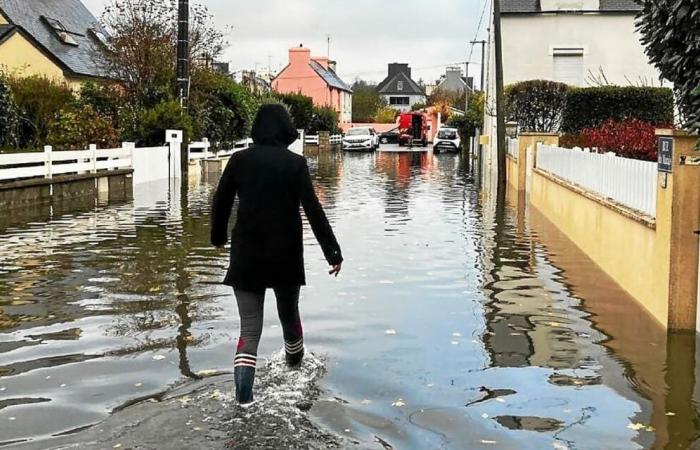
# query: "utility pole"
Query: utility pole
{"points": [[500, 110], [483, 61], [466, 90], [328, 52], [183, 50]]}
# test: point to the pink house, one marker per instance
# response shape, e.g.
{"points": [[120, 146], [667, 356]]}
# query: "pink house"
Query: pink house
{"points": [[316, 78]]}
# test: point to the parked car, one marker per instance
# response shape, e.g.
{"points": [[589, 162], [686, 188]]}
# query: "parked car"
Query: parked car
{"points": [[389, 137], [413, 129], [361, 138], [447, 140]]}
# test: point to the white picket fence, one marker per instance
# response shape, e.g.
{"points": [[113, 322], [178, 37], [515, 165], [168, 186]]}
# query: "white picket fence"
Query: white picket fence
{"points": [[49, 163], [629, 182], [312, 139], [201, 150]]}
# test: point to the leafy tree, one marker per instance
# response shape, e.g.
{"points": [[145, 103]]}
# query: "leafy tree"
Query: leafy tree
{"points": [[142, 42], [386, 115], [39, 102], [536, 105], [468, 123], [324, 118], [447, 98], [670, 31], [222, 110], [9, 117], [366, 102], [301, 109]]}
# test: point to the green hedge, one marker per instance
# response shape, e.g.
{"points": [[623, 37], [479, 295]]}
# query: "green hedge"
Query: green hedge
{"points": [[590, 107]]}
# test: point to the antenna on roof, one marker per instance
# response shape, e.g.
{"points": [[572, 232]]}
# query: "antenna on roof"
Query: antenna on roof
{"points": [[328, 52]]}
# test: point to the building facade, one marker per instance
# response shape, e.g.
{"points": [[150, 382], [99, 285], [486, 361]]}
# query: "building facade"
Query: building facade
{"points": [[315, 77], [59, 39], [399, 90], [577, 42]]}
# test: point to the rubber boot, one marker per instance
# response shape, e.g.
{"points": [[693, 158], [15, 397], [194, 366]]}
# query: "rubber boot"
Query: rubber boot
{"points": [[294, 352], [244, 377]]}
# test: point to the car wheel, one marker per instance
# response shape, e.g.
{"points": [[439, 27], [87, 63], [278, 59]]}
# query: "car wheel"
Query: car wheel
{"points": [[384, 140]]}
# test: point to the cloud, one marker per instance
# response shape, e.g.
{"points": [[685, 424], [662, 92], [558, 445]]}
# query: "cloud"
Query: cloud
{"points": [[365, 34]]}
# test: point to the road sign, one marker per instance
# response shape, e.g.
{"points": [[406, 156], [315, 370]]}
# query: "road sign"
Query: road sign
{"points": [[666, 154]]}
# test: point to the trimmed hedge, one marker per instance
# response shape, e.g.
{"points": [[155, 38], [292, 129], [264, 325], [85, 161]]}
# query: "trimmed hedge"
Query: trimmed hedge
{"points": [[536, 105], [591, 107]]}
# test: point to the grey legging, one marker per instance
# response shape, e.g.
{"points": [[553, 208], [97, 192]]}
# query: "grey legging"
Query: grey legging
{"points": [[250, 309]]}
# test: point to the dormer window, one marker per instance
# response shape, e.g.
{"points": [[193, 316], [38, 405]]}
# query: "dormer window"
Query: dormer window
{"points": [[61, 31], [100, 36]]}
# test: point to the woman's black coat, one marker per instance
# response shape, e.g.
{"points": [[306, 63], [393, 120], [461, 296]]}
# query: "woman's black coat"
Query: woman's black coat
{"points": [[271, 183]]}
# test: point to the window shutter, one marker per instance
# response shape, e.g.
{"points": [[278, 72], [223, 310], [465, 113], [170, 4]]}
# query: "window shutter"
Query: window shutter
{"points": [[568, 66]]}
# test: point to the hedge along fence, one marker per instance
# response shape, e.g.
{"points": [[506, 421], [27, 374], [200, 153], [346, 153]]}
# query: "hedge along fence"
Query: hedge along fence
{"points": [[590, 107]]}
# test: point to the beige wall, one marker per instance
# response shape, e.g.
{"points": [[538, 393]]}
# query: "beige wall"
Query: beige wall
{"points": [[18, 55], [624, 248], [3, 21], [609, 41]]}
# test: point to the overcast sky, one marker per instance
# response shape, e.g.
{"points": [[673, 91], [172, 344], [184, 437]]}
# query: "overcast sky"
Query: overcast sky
{"points": [[365, 34]]}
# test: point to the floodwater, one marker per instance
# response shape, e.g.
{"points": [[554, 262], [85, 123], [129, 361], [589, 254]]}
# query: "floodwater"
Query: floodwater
{"points": [[456, 324]]}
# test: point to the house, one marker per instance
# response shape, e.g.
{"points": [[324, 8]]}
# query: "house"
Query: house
{"points": [[577, 42], [315, 77], [59, 39], [399, 90], [453, 81]]}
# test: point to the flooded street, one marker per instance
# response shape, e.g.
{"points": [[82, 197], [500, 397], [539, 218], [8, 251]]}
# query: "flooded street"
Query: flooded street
{"points": [[453, 325]]}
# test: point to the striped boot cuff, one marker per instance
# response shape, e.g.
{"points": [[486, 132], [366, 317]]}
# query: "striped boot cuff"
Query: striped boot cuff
{"points": [[245, 360], [295, 347]]}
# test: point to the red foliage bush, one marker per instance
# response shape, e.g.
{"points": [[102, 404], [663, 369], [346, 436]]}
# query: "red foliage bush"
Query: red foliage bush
{"points": [[630, 138]]}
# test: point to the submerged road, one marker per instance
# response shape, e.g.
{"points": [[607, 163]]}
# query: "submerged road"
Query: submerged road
{"points": [[456, 324]]}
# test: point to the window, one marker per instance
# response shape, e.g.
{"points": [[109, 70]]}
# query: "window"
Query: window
{"points": [[403, 101], [399, 86], [102, 38], [568, 65], [61, 31]]}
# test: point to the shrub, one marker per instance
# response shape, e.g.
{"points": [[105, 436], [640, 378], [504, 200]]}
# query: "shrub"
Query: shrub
{"points": [[164, 116], [536, 105], [631, 138], [39, 102], [103, 98], [78, 127], [301, 108], [222, 109], [324, 119], [571, 140], [590, 107], [386, 115], [467, 124], [9, 118], [366, 101], [670, 31]]}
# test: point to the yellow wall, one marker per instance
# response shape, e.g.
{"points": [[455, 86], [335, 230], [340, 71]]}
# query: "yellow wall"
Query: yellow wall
{"points": [[18, 55], [626, 249], [3, 21]]}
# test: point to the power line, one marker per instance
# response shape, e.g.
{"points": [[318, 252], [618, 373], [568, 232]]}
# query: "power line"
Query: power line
{"points": [[478, 27]]}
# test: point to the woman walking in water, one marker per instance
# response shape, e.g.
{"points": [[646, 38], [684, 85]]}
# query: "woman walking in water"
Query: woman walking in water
{"points": [[267, 250]]}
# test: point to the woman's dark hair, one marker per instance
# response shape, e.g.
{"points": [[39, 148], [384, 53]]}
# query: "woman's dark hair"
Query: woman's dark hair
{"points": [[273, 126]]}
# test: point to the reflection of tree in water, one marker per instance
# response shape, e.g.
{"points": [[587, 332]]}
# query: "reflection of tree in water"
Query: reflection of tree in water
{"points": [[525, 323], [326, 170]]}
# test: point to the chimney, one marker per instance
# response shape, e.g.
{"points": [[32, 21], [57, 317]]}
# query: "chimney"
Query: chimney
{"points": [[332, 65], [299, 56], [322, 60], [396, 68]]}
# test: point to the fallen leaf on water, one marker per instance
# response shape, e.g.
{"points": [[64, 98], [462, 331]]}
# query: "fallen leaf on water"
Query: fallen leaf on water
{"points": [[485, 416], [138, 384], [399, 403], [390, 332], [639, 426], [670, 413], [184, 401], [158, 357], [485, 441]]}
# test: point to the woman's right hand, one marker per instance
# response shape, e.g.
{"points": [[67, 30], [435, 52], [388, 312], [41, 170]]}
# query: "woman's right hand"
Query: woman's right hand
{"points": [[335, 270]]}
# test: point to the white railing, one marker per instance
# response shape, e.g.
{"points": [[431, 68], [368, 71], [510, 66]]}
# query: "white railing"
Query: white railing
{"points": [[336, 139], [512, 148], [201, 150], [311, 139], [629, 182], [47, 164]]}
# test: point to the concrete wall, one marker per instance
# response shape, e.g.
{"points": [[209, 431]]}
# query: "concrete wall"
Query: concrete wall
{"points": [[610, 42]]}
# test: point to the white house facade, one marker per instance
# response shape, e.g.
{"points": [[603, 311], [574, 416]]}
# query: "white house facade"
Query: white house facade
{"points": [[577, 42], [399, 90]]}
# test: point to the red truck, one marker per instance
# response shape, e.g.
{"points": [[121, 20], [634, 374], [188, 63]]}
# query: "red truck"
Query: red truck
{"points": [[413, 129]]}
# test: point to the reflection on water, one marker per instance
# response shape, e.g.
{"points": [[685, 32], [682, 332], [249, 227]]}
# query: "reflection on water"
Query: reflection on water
{"points": [[456, 324]]}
